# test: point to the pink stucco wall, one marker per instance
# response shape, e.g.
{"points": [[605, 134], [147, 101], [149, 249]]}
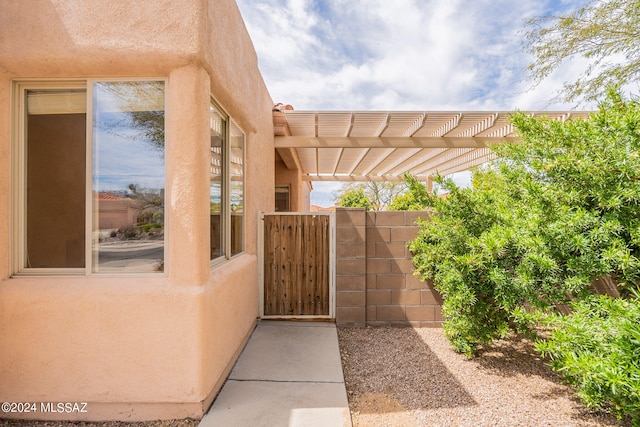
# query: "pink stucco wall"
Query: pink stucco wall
{"points": [[138, 348]]}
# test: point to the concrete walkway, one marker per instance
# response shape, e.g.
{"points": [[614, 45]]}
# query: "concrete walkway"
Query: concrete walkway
{"points": [[289, 374]]}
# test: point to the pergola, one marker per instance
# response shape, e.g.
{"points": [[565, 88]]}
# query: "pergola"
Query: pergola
{"points": [[384, 145]]}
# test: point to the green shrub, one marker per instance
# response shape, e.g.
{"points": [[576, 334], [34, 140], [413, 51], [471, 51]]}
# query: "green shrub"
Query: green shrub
{"points": [[355, 198], [597, 349], [415, 198], [552, 214], [486, 263]]}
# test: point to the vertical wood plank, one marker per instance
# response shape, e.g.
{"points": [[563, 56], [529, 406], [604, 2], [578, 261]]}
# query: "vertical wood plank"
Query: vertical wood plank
{"points": [[300, 309], [296, 265]]}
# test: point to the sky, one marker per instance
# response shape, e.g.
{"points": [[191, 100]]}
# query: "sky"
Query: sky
{"points": [[401, 55], [123, 152]]}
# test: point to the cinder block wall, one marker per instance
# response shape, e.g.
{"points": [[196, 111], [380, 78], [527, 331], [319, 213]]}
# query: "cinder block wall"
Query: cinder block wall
{"points": [[351, 266], [374, 273]]}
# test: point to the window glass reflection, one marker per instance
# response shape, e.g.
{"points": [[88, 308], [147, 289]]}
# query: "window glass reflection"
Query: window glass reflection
{"points": [[216, 189], [128, 176], [236, 190]]}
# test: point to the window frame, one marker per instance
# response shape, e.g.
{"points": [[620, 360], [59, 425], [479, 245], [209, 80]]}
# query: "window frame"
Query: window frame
{"points": [[225, 201], [18, 165], [244, 193], [286, 187]]}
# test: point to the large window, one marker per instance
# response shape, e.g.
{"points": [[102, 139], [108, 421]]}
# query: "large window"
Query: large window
{"points": [[90, 190], [226, 190]]}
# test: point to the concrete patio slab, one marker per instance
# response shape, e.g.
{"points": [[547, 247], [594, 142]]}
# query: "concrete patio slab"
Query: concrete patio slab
{"points": [[264, 403], [289, 351], [289, 374]]}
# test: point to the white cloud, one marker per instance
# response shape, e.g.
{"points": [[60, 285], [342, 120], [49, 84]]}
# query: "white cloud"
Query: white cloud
{"points": [[324, 193], [401, 54], [405, 54]]}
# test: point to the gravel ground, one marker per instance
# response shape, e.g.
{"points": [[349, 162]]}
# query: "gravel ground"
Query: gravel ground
{"points": [[412, 377]]}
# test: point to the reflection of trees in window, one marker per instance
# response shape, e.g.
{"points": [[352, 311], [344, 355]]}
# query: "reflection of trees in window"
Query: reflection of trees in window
{"points": [[152, 203], [152, 124], [128, 147], [143, 105], [236, 171], [237, 196]]}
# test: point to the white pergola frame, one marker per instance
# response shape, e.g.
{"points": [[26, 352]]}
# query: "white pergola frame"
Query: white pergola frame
{"points": [[384, 145]]}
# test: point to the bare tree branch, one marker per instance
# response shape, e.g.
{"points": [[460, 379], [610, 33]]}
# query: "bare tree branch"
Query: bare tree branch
{"points": [[607, 32]]}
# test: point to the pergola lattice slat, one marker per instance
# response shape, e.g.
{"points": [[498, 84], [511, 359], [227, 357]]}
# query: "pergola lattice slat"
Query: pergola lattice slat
{"points": [[384, 145]]}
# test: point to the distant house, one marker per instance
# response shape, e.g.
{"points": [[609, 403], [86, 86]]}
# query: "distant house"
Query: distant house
{"points": [[118, 212]]}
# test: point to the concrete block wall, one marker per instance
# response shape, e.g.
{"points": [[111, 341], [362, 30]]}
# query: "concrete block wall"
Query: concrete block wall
{"points": [[374, 271], [351, 266]]}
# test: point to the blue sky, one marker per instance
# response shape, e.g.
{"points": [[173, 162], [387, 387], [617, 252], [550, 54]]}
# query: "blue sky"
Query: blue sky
{"points": [[401, 55], [124, 155]]}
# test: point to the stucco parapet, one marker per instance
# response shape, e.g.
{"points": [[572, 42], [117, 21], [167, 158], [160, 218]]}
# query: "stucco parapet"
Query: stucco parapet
{"points": [[79, 37]]}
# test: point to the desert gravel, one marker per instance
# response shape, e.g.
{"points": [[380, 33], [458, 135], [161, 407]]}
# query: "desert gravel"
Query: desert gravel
{"points": [[412, 377]]}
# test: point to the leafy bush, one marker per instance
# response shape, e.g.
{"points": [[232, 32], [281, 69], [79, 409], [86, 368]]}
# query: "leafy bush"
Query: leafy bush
{"points": [[415, 198], [481, 260], [355, 198], [552, 214], [597, 349]]}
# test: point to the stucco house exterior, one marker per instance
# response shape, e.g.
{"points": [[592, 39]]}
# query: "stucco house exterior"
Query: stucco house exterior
{"points": [[159, 108]]}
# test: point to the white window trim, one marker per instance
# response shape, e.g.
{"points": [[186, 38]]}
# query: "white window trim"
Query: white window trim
{"points": [[17, 202], [225, 201], [244, 190]]}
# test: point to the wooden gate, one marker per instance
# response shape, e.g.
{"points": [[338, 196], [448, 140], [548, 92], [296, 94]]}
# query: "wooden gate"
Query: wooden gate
{"points": [[297, 265]]}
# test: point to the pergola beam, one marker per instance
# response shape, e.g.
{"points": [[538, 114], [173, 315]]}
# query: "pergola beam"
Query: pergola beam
{"points": [[355, 178], [390, 142]]}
